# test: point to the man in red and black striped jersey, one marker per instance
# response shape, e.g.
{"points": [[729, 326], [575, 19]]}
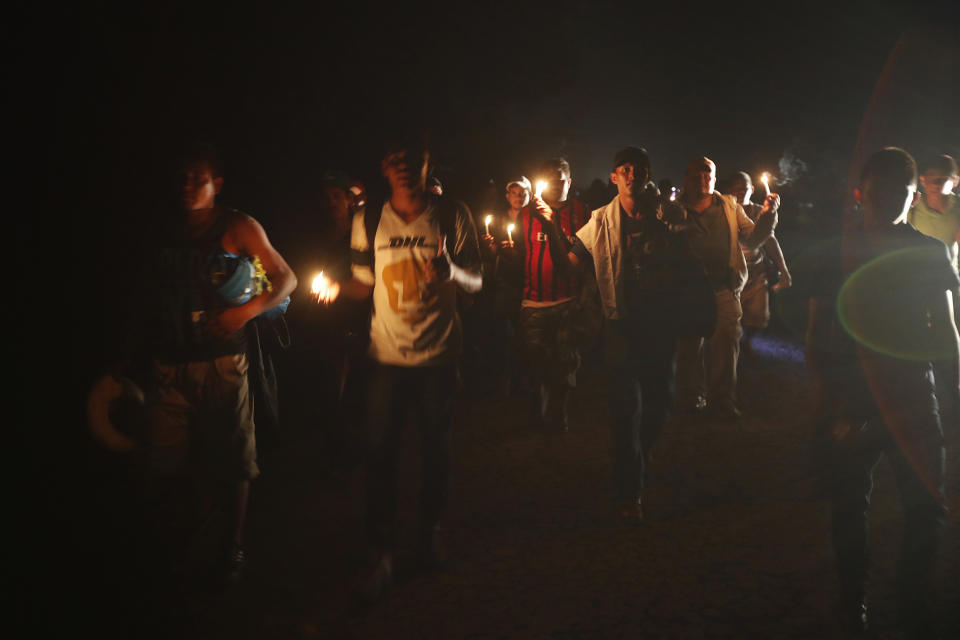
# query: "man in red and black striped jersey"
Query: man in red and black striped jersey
{"points": [[549, 289]]}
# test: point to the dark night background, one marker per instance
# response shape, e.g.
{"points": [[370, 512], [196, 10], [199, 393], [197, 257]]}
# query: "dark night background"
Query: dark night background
{"points": [[288, 93]]}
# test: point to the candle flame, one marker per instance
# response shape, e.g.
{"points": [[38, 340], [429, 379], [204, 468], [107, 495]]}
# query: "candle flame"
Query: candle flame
{"points": [[541, 185], [488, 220], [765, 179], [510, 228], [320, 286]]}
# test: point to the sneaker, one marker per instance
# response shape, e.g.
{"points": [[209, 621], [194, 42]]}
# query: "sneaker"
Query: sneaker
{"points": [[853, 617], [693, 407], [376, 580], [234, 563]]}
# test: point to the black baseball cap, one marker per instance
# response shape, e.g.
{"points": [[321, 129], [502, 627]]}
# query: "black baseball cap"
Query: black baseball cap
{"points": [[633, 155]]}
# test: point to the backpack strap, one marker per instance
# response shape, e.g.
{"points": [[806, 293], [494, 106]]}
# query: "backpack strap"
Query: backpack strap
{"points": [[447, 218], [371, 220]]}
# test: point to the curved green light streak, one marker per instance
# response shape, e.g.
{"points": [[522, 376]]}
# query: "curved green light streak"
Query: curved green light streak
{"points": [[880, 322]]}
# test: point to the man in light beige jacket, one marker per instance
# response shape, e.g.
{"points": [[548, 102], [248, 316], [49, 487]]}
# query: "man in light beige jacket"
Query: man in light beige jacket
{"points": [[717, 227]]}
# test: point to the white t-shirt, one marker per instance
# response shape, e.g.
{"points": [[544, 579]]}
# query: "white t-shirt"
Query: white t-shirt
{"points": [[413, 324]]}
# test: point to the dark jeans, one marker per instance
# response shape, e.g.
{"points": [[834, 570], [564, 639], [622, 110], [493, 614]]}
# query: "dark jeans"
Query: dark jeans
{"points": [[641, 370], [392, 393], [853, 461]]}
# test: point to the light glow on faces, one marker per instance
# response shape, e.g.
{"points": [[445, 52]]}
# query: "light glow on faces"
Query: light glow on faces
{"points": [[948, 187]]}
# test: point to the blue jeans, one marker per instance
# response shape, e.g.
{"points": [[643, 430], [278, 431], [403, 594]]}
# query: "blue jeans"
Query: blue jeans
{"points": [[640, 368]]}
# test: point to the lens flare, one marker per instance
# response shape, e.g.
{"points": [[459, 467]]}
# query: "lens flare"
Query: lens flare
{"points": [[885, 322]]}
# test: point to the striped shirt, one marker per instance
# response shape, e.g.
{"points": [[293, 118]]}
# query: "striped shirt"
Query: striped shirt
{"points": [[542, 280]]}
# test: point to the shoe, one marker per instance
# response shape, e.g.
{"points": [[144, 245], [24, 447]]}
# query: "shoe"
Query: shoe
{"points": [[694, 407], [433, 551], [853, 617], [376, 580], [630, 513], [234, 563]]}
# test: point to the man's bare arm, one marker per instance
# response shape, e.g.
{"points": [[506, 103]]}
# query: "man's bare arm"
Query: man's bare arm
{"points": [[752, 235], [772, 247], [946, 341], [469, 280], [559, 245], [249, 238], [252, 240]]}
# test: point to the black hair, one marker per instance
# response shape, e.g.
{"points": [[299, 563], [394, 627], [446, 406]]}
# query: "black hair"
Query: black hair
{"points": [[892, 164], [409, 141], [943, 163], [637, 156], [200, 153], [553, 164]]}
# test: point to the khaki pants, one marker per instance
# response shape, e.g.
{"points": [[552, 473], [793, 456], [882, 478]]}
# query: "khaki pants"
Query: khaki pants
{"points": [[713, 374], [201, 420]]}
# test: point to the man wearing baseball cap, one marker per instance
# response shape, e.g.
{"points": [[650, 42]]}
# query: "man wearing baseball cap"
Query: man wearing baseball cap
{"points": [[637, 260]]}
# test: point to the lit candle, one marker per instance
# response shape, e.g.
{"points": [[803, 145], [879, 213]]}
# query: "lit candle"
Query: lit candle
{"points": [[673, 194], [510, 232], [487, 222], [765, 179], [541, 185], [320, 287]]}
